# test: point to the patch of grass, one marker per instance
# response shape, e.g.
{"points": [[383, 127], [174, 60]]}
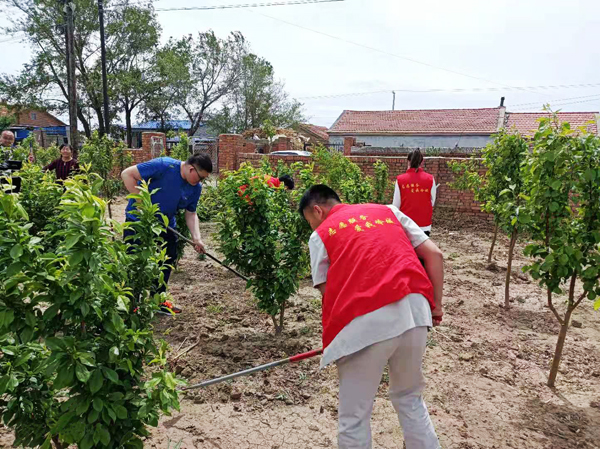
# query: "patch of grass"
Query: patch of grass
{"points": [[214, 309], [431, 343], [386, 376], [306, 331], [315, 303], [176, 445], [453, 256], [168, 331]]}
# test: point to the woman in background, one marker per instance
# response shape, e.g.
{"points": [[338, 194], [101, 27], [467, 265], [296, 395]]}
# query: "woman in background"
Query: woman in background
{"points": [[415, 193], [65, 164]]}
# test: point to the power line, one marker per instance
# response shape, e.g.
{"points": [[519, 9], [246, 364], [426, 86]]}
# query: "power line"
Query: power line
{"points": [[556, 100], [459, 90], [560, 104], [385, 52], [13, 39], [247, 5]]}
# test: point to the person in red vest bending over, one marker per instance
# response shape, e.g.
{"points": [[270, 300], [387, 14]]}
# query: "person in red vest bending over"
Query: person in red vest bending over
{"points": [[415, 192], [271, 181], [378, 302]]}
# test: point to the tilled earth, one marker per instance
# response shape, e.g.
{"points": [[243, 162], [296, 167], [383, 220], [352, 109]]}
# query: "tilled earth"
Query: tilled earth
{"points": [[486, 367]]}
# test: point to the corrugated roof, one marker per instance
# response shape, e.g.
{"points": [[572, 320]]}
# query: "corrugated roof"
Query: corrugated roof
{"points": [[426, 121], [527, 123], [172, 124]]}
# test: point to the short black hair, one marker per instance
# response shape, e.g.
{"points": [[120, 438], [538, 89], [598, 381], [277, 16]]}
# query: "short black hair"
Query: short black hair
{"points": [[288, 181], [317, 194], [202, 161]]}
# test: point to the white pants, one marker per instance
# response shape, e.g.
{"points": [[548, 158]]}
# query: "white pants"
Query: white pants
{"points": [[360, 374]]}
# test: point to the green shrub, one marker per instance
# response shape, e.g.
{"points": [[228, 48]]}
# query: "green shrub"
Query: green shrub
{"points": [[181, 151], [263, 235], [75, 328], [108, 159]]}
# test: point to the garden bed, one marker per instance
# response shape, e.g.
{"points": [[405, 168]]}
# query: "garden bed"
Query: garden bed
{"points": [[486, 368]]}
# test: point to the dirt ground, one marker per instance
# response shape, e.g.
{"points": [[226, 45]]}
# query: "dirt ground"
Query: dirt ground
{"points": [[486, 367]]}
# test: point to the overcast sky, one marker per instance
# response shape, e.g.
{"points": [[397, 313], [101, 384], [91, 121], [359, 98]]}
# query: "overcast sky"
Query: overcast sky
{"points": [[412, 46]]}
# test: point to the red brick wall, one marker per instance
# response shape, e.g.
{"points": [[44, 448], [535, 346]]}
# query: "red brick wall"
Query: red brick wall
{"points": [[349, 142], [145, 153], [282, 144], [447, 198], [230, 145]]}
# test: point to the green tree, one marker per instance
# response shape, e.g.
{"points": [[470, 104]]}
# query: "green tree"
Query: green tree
{"points": [[500, 189], [130, 30], [263, 235], [382, 186], [181, 151], [108, 159], [564, 174], [168, 71], [8, 119], [256, 98], [343, 176], [75, 329], [212, 71]]}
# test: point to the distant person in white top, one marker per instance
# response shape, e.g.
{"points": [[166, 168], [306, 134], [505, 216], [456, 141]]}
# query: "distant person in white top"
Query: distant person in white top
{"points": [[378, 301], [415, 192]]}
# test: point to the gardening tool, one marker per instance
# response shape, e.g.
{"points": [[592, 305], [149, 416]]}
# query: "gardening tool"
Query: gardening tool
{"points": [[296, 358], [181, 236]]}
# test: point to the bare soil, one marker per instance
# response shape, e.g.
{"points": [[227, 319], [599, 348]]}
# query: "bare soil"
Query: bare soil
{"points": [[486, 367]]}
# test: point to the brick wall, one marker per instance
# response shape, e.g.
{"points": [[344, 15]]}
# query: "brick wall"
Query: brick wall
{"points": [[150, 142], [349, 142], [230, 146], [447, 199], [282, 144]]}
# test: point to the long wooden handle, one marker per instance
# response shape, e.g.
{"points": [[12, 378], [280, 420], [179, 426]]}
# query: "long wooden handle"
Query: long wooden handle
{"points": [[184, 238]]}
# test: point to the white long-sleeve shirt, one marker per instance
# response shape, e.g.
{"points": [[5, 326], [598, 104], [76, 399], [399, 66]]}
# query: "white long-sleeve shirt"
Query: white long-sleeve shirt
{"points": [[398, 200], [382, 324]]}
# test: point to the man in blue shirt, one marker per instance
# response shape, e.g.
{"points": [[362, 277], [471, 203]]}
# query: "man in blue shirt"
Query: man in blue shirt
{"points": [[179, 185]]}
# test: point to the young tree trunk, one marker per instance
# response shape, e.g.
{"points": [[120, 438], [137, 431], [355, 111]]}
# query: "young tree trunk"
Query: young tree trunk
{"points": [[84, 121], [276, 325], [100, 117], [489, 260], [128, 128], [57, 443], [513, 241], [562, 335], [279, 325], [281, 314], [109, 210]]}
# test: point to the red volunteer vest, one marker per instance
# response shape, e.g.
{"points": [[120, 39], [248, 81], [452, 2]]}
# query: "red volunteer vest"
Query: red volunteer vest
{"points": [[372, 264], [415, 196], [270, 180]]}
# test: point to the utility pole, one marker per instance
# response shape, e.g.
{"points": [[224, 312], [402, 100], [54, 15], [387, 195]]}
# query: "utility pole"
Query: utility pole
{"points": [[71, 77], [393, 100], [104, 76]]}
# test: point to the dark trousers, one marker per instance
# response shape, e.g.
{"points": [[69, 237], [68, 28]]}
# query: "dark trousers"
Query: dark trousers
{"points": [[171, 241]]}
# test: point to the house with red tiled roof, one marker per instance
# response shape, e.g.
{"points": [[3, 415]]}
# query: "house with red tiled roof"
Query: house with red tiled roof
{"points": [[441, 128], [526, 123], [315, 134]]}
